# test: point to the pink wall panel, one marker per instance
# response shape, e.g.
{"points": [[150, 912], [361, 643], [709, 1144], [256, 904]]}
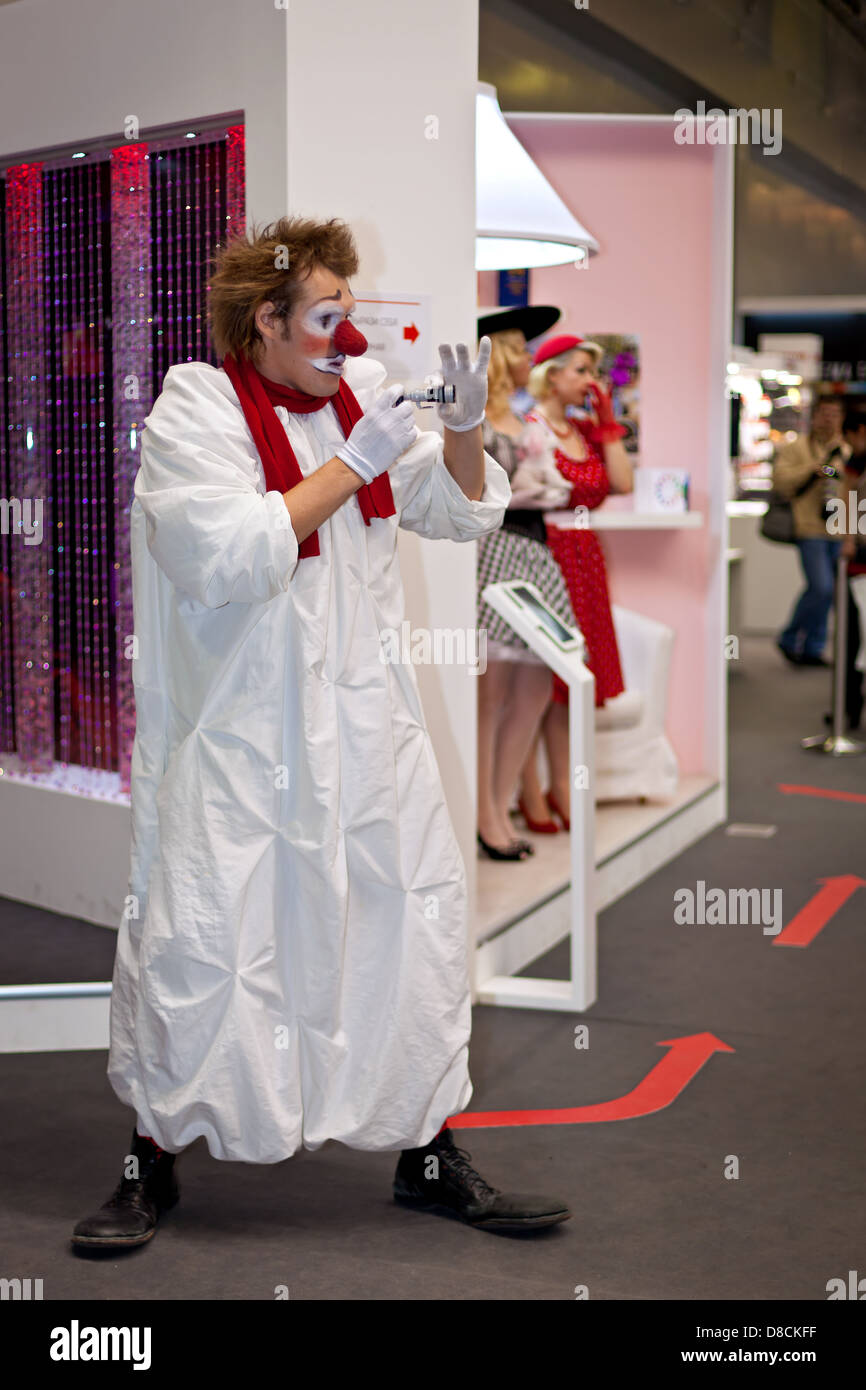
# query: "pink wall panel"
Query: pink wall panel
{"points": [[649, 203]]}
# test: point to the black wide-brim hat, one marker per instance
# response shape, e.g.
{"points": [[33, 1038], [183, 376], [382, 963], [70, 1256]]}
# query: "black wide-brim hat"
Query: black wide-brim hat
{"points": [[531, 319]]}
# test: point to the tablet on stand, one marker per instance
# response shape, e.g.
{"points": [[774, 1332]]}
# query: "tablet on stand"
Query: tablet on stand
{"points": [[563, 649]]}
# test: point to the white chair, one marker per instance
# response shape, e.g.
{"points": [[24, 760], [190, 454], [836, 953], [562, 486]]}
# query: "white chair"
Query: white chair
{"points": [[633, 758]]}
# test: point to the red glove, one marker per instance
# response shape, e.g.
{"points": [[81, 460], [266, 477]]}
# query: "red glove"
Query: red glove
{"points": [[606, 431]]}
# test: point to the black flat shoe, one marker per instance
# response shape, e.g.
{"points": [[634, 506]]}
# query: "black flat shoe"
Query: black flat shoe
{"points": [[518, 849], [813, 661]]}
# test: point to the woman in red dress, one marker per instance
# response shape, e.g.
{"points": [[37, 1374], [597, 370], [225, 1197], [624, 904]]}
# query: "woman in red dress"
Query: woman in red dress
{"points": [[588, 454]]}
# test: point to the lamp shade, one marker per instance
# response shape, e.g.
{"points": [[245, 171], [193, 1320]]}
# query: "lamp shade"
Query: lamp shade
{"points": [[520, 220]]}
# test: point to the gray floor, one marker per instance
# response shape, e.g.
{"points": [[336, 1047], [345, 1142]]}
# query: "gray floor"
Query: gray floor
{"points": [[654, 1215]]}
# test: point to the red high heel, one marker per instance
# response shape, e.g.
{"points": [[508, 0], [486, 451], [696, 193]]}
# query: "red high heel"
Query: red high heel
{"points": [[541, 827], [557, 810]]}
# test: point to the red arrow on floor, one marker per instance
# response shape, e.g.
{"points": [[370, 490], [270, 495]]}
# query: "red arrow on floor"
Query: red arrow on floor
{"points": [[822, 791], [658, 1089], [816, 914], [411, 332]]}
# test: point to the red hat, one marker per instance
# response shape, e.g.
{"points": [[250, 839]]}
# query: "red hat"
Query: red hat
{"points": [[562, 342]]}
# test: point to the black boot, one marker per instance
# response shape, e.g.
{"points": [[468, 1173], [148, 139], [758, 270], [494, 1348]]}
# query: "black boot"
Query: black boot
{"points": [[454, 1188], [130, 1215]]}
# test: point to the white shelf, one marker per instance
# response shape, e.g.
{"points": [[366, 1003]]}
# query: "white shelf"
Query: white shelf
{"points": [[600, 520], [755, 508]]}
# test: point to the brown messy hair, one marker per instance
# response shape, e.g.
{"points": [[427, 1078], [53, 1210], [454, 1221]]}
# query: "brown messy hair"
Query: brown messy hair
{"points": [[249, 272]]}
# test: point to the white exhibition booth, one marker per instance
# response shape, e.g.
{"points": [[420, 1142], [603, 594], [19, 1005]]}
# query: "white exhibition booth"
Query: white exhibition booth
{"points": [[663, 272], [664, 275]]}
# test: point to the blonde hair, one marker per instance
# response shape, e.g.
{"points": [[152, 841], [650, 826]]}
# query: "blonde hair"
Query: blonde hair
{"points": [[505, 347], [539, 385]]}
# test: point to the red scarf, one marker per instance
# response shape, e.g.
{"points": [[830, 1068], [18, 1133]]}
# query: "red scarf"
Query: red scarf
{"points": [[258, 396]]}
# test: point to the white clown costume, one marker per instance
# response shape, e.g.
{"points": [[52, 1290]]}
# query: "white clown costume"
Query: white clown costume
{"points": [[293, 965]]}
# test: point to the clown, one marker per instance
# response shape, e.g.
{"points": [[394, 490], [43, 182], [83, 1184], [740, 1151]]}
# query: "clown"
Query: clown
{"points": [[294, 969]]}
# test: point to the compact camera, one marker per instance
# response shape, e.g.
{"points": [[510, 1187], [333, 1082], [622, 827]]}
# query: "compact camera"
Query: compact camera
{"points": [[425, 396]]}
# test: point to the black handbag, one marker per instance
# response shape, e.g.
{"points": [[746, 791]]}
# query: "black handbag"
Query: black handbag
{"points": [[777, 523]]}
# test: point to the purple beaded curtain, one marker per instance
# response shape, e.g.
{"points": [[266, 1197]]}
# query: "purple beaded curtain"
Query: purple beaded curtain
{"points": [[77, 352], [197, 198], [27, 609], [105, 269], [132, 320], [7, 684]]}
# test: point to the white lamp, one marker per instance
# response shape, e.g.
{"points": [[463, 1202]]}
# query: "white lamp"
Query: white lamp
{"points": [[519, 219]]}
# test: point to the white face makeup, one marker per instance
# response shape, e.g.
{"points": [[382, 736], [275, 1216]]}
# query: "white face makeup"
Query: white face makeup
{"points": [[322, 318], [321, 321], [301, 352]]}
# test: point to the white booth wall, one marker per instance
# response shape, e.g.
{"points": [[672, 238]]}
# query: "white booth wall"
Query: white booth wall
{"points": [[335, 102]]}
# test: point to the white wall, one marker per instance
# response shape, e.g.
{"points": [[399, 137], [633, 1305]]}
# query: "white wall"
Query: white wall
{"points": [[335, 97], [74, 69], [411, 202]]}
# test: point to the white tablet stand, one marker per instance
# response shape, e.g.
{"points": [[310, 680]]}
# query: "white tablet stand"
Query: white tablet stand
{"points": [[563, 649]]}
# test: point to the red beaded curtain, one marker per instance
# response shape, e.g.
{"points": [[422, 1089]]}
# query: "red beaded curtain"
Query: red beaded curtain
{"points": [[105, 260], [25, 636], [7, 683]]}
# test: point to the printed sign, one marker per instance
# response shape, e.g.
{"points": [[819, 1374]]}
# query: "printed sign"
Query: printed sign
{"points": [[399, 329]]}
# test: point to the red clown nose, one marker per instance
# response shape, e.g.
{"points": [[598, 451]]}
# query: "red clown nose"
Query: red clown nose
{"points": [[347, 339]]}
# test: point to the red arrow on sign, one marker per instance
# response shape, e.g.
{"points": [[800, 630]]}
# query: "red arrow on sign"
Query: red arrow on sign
{"points": [[658, 1089], [816, 914], [411, 333]]}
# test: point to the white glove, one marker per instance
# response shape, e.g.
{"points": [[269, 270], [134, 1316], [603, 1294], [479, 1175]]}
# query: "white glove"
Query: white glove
{"points": [[470, 380], [383, 433]]}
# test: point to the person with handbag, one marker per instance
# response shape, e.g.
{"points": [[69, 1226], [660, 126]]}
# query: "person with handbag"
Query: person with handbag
{"points": [[807, 473], [854, 550]]}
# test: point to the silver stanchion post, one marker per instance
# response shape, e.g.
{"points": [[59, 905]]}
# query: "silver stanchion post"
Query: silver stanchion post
{"points": [[838, 743]]}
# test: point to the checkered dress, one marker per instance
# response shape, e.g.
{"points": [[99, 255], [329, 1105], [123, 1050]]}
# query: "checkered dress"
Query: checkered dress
{"points": [[512, 555]]}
